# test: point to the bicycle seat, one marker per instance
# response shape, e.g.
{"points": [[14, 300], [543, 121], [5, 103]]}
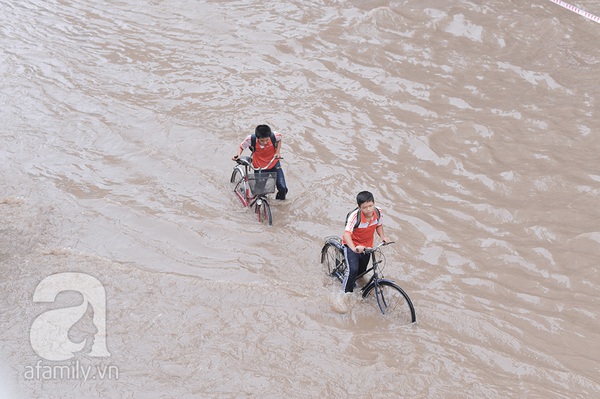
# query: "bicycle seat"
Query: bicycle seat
{"points": [[245, 160]]}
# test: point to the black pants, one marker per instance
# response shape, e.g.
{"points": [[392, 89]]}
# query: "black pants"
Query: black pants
{"points": [[357, 264]]}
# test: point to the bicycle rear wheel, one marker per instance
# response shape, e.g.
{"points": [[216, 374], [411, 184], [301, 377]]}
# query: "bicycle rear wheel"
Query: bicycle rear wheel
{"points": [[239, 185], [334, 261], [264, 212], [392, 301]]}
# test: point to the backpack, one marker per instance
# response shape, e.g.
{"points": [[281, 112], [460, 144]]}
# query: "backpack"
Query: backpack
{"points": [[253, 141], [357, 223]]}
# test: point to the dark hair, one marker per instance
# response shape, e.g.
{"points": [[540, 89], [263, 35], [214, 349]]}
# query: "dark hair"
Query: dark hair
{"points": [[262, 131], [364, 196]]}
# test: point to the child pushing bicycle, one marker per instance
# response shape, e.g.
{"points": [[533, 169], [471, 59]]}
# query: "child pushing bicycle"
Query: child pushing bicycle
{"points": [[361, 226], [266, 147]]}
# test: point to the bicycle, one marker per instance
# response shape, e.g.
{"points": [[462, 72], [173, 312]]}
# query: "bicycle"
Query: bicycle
{"points": [[391, 299], [252, 189]]}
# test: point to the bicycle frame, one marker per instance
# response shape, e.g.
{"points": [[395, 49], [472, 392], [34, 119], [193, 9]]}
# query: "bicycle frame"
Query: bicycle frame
{"points": [[247, 199], [245, 165], [241, 178], [375, 279], [386, 291]]}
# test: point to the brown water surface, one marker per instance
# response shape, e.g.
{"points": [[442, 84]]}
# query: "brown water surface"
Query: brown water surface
{"points": [[475, 125]]}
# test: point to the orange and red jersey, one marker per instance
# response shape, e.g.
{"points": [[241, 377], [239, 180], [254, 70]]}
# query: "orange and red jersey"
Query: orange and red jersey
{"points": [[262, 154], [364, 233]]}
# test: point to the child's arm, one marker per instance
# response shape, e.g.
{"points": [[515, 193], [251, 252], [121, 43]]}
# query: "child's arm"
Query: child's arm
{"points": [[381, 234]]}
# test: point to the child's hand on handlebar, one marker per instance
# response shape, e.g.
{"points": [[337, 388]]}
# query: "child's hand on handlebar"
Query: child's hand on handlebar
{"points": [[235, 157]]}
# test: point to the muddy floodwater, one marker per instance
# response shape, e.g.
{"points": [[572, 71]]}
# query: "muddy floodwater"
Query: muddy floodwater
{"points": [[129, 269]]}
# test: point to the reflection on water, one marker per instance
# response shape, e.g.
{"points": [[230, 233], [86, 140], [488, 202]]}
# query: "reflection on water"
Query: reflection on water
{"points": [[473, 125]]}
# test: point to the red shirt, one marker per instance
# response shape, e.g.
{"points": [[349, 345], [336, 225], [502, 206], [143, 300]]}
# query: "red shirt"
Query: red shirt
{"points": [[363, 234], [262, 154]]}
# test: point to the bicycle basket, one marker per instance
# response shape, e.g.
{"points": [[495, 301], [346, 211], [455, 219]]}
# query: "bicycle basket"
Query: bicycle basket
{"points": [[262, 183]]}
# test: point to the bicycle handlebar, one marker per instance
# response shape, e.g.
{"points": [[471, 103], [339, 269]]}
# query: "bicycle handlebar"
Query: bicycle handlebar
{"points": [[375, 248], [269, 164], [247, 162]]}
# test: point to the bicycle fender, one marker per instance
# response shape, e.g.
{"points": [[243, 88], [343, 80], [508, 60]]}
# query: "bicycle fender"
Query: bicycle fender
{"points": [[335, 241], [241, 169]]}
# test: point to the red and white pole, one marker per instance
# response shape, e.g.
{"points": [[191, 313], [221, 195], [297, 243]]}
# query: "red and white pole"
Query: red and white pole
{"points": [[577, 10]]}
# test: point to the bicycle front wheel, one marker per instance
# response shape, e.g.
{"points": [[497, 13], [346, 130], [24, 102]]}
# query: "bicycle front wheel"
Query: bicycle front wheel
{"points": [[392, 301], [333, 259], [239, 186], [264, 212]]}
